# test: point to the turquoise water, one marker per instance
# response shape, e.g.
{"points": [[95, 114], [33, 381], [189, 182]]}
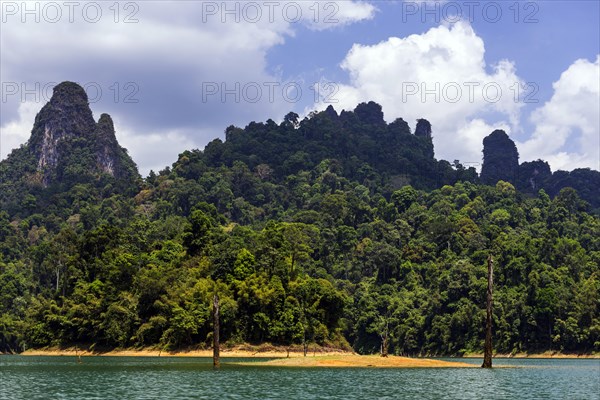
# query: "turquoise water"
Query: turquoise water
{"points": [[193, 378]]}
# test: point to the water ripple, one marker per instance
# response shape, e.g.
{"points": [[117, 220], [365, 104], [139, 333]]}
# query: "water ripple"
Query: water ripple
{"points": [[149, 378]]}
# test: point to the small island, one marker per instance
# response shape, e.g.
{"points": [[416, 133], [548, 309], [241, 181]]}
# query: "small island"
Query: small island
{"points": [[358, 361]]}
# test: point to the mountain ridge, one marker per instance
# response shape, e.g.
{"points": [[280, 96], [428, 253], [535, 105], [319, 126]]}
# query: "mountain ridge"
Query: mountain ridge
{"points": [[359, 142]]}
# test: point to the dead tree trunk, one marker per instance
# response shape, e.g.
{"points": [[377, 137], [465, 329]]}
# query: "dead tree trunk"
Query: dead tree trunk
{"points": [[304, 323], [487, 351], [304, 343], [216, 355], [384, 341]]}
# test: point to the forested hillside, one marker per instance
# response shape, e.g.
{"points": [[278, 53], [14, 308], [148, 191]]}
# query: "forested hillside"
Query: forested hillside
{"points": [[334, 229]]}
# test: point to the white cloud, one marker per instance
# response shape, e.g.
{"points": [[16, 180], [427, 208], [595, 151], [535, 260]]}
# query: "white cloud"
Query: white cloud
{"points": [[16, 132], [439, 75], [471, 135], [171, 51], [567, 132], [154, 151], [328, 15]]}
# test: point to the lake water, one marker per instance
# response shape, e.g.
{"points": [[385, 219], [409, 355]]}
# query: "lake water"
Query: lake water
{"points": [[193, 378]]}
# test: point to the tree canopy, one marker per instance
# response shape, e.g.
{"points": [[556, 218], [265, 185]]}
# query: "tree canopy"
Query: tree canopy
{"points": [[337, 230]]}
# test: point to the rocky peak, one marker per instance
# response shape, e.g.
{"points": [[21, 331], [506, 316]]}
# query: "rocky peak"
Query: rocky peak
{"points": [[66, 116], [423, 128], [500, 158], [423, 131], [67, 110], [66, 143], [69, 94], [330, 111], [111, 158], [107, 144], [105, 129]]}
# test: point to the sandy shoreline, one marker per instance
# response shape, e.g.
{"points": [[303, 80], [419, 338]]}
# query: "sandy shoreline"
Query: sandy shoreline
{"points": [[263, 352], [225, 352], [357, 361], [325, 358], [158, 353]]}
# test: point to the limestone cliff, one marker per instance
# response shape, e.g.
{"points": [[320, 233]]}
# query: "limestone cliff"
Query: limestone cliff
{"points": [[67, 147], [65, 133]]}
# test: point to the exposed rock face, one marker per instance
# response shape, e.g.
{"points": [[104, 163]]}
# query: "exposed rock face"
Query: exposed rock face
{"points": [[500, 159], [67, 116], [65, 133], [66, 148], [112, 158]]}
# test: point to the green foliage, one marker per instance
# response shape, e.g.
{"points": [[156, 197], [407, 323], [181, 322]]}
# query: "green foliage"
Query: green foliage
{"points": [[334, 229]]}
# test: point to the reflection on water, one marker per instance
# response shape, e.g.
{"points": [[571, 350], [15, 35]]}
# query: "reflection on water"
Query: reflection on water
{"points": [[193, 378]]}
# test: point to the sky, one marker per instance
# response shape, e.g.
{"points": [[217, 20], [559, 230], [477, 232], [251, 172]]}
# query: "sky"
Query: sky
{"points": [[174, 74]]}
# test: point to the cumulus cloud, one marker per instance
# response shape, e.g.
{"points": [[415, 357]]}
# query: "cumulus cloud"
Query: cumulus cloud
{"points": [[183, 73], [328, 15], [155, 150], [17, 131], [440, 75], [470, 136], [567, 127], [186, 67]]}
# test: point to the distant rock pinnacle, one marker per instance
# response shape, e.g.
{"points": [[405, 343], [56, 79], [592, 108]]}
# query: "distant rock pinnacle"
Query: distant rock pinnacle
{"points": [[500, 159]]}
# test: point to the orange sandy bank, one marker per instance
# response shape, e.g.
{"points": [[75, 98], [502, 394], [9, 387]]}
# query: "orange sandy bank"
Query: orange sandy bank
{"points": [[243, 352], [353, 360], [295, 359], [263, 351]]}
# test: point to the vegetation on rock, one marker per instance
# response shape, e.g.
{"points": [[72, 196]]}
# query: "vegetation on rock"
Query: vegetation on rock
{"points": [[332, 230]]}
